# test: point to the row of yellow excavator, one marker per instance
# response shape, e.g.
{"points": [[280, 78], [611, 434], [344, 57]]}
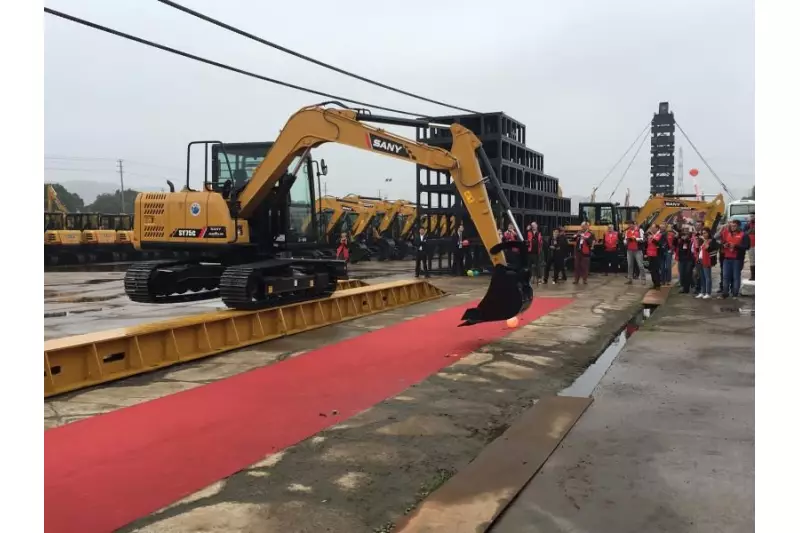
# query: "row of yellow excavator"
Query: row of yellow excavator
{"points": [[84, 237], [375, 228]]}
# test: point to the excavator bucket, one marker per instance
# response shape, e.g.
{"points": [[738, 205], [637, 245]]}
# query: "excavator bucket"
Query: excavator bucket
{"points": [[510, 292]]}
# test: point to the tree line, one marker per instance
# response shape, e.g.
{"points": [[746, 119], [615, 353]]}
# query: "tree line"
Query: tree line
{"points": [[104, 203]]}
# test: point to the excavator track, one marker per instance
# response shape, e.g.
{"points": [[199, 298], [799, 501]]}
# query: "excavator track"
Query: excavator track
{"points": [[144, 281], [276, 282]]}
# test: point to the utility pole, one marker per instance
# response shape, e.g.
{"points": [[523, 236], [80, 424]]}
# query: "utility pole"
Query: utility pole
{"points": [[121, 187]]}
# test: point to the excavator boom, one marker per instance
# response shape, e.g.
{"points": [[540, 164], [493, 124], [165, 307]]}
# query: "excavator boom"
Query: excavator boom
{"points": [[316, 125], [510, 292]]}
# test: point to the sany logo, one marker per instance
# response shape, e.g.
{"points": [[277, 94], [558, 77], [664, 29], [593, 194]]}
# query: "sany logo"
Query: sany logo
{"points": [[387, 146]]}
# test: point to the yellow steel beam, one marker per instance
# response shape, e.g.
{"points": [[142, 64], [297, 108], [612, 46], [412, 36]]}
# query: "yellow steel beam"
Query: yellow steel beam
{"points": [[343, 284], [81, 361]]}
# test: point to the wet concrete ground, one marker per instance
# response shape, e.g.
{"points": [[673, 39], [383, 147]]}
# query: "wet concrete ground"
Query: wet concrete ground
{"points": [[668, 444], [362, 474], [84, 302]]}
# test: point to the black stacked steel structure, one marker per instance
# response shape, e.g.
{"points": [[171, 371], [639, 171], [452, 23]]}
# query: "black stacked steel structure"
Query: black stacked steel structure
{"points": [[532, 194], [662, 151]]}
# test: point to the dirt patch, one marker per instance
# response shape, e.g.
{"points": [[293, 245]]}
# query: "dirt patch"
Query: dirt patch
{"points": [[365, 473]]}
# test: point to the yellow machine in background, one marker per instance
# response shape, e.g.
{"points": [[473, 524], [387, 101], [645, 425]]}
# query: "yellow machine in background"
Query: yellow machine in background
{"points": [[238, 227], [56, 230], [661, 209], [122, 225], [92, 230]]}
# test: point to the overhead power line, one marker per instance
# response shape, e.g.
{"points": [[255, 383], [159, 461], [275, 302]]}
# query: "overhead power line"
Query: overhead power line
{"points": [[221, 65], [76, 158], [307, 58], [104, 159], [704, 160], [622, 156], [644, 138]]}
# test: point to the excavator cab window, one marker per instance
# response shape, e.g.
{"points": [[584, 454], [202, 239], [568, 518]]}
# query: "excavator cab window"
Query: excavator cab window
{"points": [[398, 225], [235, 162], [588, 213], [377, 220], [325, 216], [301, 202], [53, 221], [607, 216]]}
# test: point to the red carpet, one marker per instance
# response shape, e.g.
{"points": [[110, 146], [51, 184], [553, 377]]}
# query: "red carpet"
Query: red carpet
{"points": [[104, 472]]}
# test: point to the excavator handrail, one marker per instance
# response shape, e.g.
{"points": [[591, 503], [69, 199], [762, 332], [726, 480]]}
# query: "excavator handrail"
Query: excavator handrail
{"points": [[316, 125]]}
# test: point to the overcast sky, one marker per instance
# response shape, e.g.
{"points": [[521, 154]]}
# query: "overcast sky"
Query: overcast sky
{"points": [[584, 76]]}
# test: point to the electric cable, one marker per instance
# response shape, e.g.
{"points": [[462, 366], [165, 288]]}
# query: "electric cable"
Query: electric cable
{"points": [[644, 138], [221, 65], [307, 58], [704, 160], [623, 156]]}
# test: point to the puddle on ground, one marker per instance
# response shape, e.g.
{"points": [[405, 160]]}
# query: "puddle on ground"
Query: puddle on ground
{"points": [[584, 385]]}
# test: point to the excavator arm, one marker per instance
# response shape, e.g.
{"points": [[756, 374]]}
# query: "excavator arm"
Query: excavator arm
{"points": [[316, 125], [510, 292], [52, 198]]}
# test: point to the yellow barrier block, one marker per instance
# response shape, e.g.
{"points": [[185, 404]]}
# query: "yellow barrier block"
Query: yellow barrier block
{"points": [[81, 361]]}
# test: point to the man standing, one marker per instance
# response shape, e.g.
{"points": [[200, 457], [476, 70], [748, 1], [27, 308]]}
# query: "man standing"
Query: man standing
{"points": [[634, 237], [669, 253], [654, 251], [534, 249], [583, 251], [734, 244], [422, 257], [458, 251], [557, 253], [720, 237], [686, 258], [611, 246]]}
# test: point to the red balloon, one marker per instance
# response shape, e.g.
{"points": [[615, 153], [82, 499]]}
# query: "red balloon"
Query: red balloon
{"points": [[694, 172]]}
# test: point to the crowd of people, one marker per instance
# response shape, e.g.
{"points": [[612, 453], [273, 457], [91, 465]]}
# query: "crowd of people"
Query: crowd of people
{"points": [[692, 247], [656, 249]]}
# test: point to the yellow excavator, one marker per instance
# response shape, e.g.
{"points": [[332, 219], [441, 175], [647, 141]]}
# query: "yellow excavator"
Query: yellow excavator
{"points": [[360, 231], [406, 221], [56, 230], [384, 233], [243, 230], [661, 209]]}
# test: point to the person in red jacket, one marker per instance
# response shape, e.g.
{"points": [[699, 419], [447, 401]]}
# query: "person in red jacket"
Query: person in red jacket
{"points": [[510, 234], [634, 238], [705, 245], [342, 252], [535, 247], [734, 243], [670, 253], [611, 244], [751, 252], [653, 251], [584, 241]]}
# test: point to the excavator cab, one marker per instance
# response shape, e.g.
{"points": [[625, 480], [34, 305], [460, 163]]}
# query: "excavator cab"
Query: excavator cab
{"points": [[293, 221]]}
